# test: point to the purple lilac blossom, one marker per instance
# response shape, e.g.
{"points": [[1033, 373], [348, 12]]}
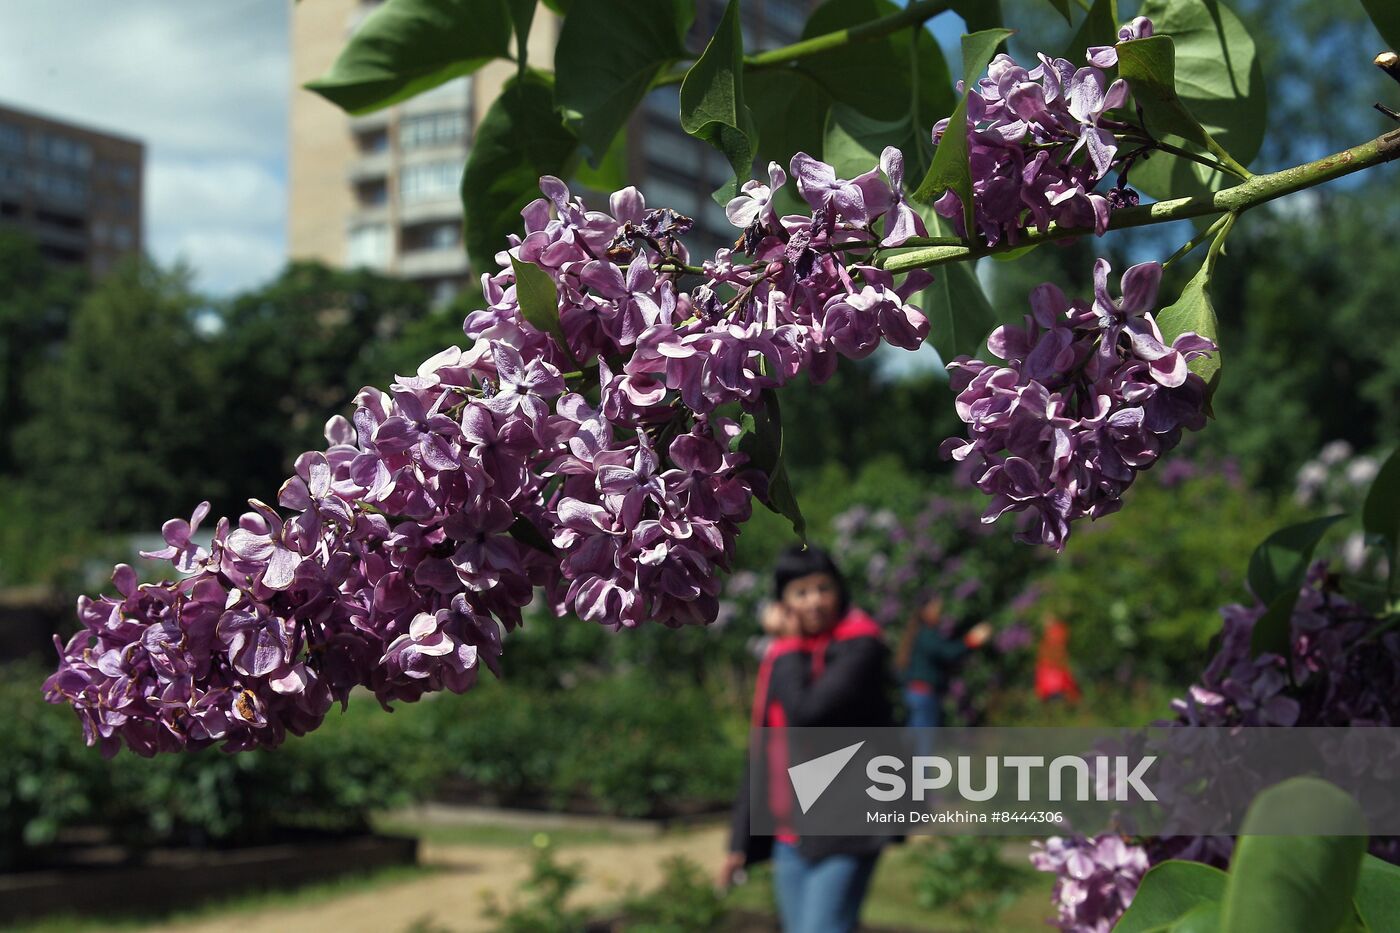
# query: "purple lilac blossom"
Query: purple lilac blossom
{"points": [[1086, 397], [1025, 129], [1332, 684]]}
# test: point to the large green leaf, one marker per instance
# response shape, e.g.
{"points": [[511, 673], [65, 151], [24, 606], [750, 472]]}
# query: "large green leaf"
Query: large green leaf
{"points": [[1219, 81], [712, 101], [611, 173], [1149, 67], [1099, 27], [854, 139], [1377, 895], [1194, 312], [409, 46], [907, 67], [1168, 892], [520, 139], [1380, 515], [608, 53], [761, 441], [950, 169], [1295, 883], [1277, 569], [959, 315], [1386, 15], [986, 14], [1061, 7], [791, 108]]}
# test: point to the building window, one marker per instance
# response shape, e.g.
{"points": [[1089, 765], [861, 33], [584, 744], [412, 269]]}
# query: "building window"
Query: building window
{"points": [[373, 193], [11, 137], [369, 246], [122, 237], [429, 181], [372, 142], [421, 131], [443, 291], [432, 236]]}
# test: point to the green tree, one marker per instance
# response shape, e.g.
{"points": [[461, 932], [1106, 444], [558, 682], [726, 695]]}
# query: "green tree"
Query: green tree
{"points": [[37, 301], [119, 437]]}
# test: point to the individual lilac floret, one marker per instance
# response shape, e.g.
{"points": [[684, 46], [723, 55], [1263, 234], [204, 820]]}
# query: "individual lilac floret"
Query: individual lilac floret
{"points": [[1086, 397], [1026, 130]]}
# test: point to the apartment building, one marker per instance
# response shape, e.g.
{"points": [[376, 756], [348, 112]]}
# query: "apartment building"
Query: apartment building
{"points": [[381, 190], [75, 190]]}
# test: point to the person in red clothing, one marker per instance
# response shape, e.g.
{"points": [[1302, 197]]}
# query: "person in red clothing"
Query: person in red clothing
{"points": [[826, 666], [1053, 678]]}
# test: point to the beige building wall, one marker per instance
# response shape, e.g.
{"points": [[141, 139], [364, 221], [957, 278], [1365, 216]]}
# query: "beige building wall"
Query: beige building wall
{"points": [[320, 198]]}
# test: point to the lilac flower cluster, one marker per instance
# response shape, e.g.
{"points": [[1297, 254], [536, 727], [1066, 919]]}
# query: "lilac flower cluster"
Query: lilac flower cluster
{"points": [[1341, 675], [1097, 878], [1087, 396], [1026, 130], [586, 459]]}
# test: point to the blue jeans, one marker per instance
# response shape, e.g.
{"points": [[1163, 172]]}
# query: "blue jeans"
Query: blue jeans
{"points": [[822, 896], [925, 712]]}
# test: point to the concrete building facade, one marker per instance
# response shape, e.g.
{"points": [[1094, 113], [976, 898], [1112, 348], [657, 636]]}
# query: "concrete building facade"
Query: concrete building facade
{"points": [[382, 190], [75, 190]]}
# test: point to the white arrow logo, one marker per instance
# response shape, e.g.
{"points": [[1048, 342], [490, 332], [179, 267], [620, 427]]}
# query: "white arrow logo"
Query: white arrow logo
{"points": [[811, 778]]}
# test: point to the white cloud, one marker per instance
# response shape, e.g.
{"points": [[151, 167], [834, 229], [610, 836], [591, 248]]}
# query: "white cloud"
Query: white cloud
{"points": [[204, 85]]}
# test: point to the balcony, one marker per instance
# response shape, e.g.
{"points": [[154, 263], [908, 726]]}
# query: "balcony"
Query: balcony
{"points": [[442, 207], [433, 263], [369, 167], [377, 120]]}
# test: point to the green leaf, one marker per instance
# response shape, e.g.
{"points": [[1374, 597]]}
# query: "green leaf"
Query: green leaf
{"points": [[1194, 312], [986, 14], [1203, 918], [1385, 14], [1062, 7], [525, 531], [520, 139], [560, 7], [1377, 895], [522, 15], [1277, 569], [854, 139], [406, 47], [959, 315], [1100, 27], [1380, 515], [609, 52], [1149, 67], [611, 173], [1295, 883], [538, 297], [1168, 892], [950, 169], [712, 101], [762, 442], [908, 67], [1219, 81], [791, 108]]}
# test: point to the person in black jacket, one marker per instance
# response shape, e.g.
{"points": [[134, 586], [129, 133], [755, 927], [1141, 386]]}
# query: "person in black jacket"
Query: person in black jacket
{"points": [[828, 666]]}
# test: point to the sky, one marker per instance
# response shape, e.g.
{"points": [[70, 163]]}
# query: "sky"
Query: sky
{"points": [[203, 83]]}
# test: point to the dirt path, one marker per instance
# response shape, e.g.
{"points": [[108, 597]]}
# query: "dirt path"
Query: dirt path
{"points": [[452, 899]]}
